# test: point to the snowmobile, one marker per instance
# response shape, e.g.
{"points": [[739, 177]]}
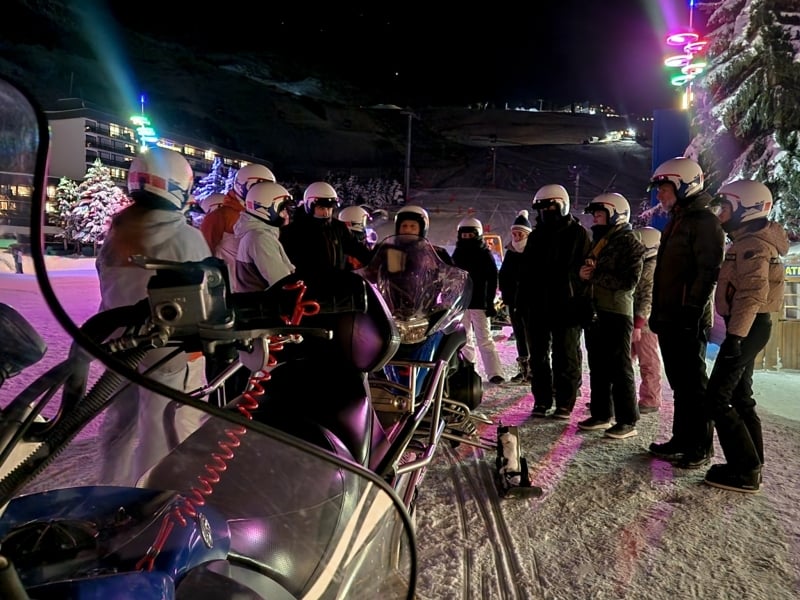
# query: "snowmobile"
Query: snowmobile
{"points": [[427, 391], [291, 490]]}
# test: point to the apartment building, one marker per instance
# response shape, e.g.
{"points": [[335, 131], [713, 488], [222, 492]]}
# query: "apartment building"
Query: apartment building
{"points": [[80, 134]]}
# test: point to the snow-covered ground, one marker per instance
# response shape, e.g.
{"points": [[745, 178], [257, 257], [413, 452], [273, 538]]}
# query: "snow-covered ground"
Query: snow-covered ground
{"points": [[612, 522]]}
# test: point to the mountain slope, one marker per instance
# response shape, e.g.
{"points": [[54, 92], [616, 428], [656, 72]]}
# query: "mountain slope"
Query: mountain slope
{"points": [[302, 121]]}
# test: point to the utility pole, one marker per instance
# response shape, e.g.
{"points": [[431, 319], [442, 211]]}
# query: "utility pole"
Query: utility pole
{"points": [[407, 178], [493, 140], [576, 171]]}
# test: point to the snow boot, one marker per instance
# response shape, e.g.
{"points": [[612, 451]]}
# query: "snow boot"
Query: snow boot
{"points": [[725, 477], [523, 376]]}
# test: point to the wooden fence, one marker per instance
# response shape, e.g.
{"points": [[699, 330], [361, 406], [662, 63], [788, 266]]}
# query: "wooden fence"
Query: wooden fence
{"points": [[783, 349]]}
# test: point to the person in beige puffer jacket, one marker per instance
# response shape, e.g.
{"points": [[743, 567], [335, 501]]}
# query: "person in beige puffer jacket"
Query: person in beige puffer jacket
{"points": [[749, 288]]}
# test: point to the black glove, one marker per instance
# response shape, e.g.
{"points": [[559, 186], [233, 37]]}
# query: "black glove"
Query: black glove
{"points": [[731, 347], [491, 312], [689, 319]]}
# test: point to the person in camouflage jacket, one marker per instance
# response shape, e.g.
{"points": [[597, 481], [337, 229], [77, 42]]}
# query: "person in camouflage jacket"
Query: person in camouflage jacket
{"points": [[612, 269]]}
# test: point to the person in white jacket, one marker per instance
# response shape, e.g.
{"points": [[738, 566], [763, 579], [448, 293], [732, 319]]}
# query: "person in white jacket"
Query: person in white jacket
{"points": [[135, 434], [261, 259], [217, 226]]}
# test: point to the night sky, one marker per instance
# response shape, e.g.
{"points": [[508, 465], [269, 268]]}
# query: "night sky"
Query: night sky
{"points": [[603, 51]]}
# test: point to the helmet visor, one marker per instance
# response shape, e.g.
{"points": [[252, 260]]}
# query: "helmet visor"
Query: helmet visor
{"points": [[657, 181], [326, 202], [718, 203], [286, 203], [546, 203]]}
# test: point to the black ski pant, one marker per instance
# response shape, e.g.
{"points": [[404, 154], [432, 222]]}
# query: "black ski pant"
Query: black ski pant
{"points": [[517, 318], [613, 387], [684, 356], [555, 362], [730, 402]]}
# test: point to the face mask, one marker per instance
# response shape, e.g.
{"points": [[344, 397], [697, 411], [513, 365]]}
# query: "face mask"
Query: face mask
{"points": [[599, 231], [520, 245], [550, 216]]}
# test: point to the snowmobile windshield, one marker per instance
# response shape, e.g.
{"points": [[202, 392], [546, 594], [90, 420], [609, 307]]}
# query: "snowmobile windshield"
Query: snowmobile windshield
{"points": [[416, 285], [227, 506], [230, 504]]}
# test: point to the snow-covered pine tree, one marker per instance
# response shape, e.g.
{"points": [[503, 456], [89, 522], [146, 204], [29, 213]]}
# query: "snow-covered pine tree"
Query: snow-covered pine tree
{"points": [[214, 182], [377, 193], [230, 180], [99, 199], [66, 198], [747, 123]]}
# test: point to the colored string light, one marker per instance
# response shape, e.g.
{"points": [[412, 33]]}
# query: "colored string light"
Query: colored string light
{"points": [[687, 63]]}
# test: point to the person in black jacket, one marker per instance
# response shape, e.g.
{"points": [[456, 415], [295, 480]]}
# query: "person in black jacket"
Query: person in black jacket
{"points": [[414, 220], [473, 255], [687, 267], [507, 278], [555, 301], [316, 242]]}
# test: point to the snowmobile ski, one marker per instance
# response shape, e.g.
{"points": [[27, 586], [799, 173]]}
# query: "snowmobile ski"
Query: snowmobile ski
{"points": [[512, 475]]}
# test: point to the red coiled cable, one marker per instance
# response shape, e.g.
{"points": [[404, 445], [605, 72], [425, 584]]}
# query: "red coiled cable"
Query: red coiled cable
{"points": [[186, 506]]}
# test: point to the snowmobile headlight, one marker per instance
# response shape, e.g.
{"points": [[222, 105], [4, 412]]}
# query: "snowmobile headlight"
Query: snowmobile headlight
{"points": [[412, 330]]}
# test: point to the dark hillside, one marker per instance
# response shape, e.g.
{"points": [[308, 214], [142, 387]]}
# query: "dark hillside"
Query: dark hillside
{"points": [[302, 121]]}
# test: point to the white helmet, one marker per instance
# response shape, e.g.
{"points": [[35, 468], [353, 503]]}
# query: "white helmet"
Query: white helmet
{"points": [[470, 224], [684, 173], [319, 192], [616, 205], [650, 238], [551, 194], [212, 202], [248, 176], [266, 200], [413, 213], [355, 217], [749, 200], [164, 173]]}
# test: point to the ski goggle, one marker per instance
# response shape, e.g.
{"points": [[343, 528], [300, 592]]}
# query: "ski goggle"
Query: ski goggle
{"points": [[546, 203], [326, 202]]}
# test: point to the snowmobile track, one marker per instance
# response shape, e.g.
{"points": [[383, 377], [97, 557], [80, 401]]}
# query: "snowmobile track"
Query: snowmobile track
{"points": [[473, 479], [468, 558]]}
